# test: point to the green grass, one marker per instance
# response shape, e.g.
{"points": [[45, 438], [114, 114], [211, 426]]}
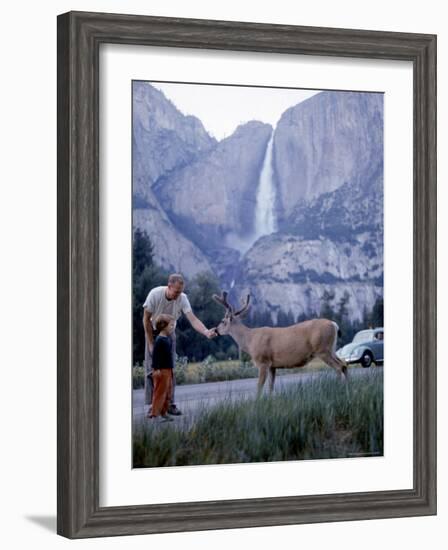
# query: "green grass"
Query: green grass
{"points": [[322, 418], [218, 371]]}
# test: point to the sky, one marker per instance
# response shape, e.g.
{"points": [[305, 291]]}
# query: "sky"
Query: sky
{"points": [[222, 108]]}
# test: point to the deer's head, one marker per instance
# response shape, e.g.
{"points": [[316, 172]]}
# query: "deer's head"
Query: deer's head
{"points": [[231, 317]]}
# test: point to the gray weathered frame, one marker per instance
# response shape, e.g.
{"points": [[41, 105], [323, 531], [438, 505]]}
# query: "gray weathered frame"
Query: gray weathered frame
{"points": [[79, 37]]}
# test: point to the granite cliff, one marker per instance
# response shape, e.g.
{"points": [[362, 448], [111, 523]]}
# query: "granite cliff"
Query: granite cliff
{"points": [[213, 198], [328, 140], [163, 141], [198, 199]]}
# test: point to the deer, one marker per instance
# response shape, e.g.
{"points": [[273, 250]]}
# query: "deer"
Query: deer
{"points": [[281, 347]]}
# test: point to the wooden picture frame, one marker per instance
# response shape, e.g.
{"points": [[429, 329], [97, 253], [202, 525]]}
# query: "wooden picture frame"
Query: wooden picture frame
{"points": [[79, 38]]}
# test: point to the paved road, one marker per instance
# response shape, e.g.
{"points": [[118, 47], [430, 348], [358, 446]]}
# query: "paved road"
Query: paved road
{"points": [[191, 398]]}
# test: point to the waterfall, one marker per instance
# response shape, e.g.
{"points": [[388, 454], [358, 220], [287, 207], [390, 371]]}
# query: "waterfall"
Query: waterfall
{"points": [[264, 222], [264, 209]]}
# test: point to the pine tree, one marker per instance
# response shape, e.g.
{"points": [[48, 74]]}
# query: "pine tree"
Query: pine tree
{"points": [[145, 276], [378, 313], [142, 252], [343, 321], [282, 319], [326, 310]]}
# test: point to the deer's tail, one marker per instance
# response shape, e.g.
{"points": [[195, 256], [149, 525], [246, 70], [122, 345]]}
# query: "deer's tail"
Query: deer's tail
{"points": [[337, 332]]}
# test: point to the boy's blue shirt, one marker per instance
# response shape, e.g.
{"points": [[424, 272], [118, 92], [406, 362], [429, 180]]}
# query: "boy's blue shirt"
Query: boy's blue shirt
{"points": [[162, 356]]}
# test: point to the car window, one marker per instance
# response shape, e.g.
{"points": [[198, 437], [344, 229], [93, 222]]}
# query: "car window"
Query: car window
{"points": [[363, 336]]}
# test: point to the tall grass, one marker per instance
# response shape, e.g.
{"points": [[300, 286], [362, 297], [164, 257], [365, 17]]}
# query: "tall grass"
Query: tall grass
{"points": [[321, 418]]}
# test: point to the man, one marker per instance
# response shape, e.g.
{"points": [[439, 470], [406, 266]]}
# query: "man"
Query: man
{"points": [[173, 301]]}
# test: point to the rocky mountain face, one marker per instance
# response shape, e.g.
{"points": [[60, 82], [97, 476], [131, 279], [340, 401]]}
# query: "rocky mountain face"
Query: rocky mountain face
{"points": [[328, 171], [197, 199], [172, 250], [286, 272], [328, 140], [213, 198], [164, 140], [353, 208]]}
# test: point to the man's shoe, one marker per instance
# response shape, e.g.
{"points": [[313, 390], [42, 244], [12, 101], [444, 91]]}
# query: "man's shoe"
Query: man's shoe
{"points": [[172, 409]]}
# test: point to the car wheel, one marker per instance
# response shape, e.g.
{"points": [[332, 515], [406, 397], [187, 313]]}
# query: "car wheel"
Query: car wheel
{"points": [[366, 359]]}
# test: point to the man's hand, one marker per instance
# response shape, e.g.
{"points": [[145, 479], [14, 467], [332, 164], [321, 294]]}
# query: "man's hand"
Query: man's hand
{"points": [[200, 327], [211, 333]]}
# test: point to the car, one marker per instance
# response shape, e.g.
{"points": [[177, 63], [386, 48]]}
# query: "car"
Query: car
{"points": [[366, 348]]}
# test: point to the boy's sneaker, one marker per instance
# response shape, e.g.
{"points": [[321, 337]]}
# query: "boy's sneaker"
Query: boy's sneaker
{"points": [[166, 418], [172, 409]]}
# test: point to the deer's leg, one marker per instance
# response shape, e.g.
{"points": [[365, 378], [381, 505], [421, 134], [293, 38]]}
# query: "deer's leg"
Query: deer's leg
{"points": [[261, 378], [343, 368], [271, 379], [335, 363]]}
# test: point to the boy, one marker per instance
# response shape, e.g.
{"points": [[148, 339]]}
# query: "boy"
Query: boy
{"points": [[162, 364]]}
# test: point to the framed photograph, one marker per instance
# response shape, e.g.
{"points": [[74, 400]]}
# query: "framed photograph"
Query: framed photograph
{"points": [[244, 210], [286, 213]]}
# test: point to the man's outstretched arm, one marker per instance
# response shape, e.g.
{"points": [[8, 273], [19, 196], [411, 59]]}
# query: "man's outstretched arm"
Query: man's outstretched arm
{"points": [[199, 326]]}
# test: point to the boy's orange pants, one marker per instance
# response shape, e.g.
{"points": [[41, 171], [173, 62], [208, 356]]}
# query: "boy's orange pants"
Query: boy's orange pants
{"points": [[163, 383]]}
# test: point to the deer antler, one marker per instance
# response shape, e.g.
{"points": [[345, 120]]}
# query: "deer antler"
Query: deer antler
{"points": [[245, 306], [223, 300]]}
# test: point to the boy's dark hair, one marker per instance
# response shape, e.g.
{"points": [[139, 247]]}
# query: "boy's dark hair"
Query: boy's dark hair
{"points": [[162, 321]]}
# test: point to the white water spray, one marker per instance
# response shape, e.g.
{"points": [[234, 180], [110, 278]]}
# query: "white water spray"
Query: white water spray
{"points": [[264, 223], [264, 210]]}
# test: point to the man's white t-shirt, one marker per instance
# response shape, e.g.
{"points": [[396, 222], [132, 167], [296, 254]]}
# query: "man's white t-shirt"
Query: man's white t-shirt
{"points": [[157, 303]]}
